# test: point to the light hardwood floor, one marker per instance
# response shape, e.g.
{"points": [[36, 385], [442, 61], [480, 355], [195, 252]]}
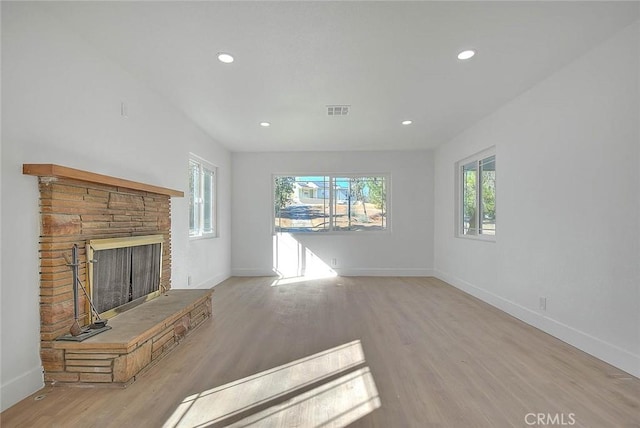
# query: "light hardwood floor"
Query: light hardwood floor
{"points": [[373, 352]]}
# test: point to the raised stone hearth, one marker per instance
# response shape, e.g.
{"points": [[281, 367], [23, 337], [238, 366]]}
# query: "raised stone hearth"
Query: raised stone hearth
{"points": [[77, 207], [139, 338]]}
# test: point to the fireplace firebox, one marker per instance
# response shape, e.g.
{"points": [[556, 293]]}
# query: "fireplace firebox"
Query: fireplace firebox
{"points": [[123, 272]]}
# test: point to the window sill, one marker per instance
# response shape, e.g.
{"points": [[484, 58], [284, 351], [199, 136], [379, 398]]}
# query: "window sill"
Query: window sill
{"points": [[485, 238], [338, 233], [201, 237]]}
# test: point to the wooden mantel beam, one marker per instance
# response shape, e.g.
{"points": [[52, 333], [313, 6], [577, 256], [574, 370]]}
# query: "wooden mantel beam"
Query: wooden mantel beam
{"points": [[51, 170]]}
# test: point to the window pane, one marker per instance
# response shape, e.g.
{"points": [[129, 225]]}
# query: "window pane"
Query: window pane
{"points": [[488, 195], [469, 199], [359, 203], [301, 203], [342, 200], [208, 195], [194, 194]]}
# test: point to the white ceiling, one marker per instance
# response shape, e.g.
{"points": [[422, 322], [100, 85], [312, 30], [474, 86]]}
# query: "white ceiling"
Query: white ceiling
{"points": [[389, 60]]}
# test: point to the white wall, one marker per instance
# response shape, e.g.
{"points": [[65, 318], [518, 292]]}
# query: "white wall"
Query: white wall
{"points": [[61, 104], [568, 205], [406, 250]]}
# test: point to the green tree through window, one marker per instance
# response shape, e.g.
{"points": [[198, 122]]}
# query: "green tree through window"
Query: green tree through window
{"points": [[478, 196]]}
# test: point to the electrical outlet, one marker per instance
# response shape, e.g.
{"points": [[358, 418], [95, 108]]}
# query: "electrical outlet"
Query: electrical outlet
{"points": [[334, 262], [189, 280], [543, 303], [124, 110]]}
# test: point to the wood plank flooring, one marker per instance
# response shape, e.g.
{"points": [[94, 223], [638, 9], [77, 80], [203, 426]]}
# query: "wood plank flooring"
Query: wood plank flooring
{"points": [[419, 353]]}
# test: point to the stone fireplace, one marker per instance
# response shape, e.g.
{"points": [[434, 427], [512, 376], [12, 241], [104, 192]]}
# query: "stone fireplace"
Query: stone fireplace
{"points": [[122, 230]]}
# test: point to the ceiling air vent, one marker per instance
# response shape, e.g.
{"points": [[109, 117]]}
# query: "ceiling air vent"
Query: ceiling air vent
{"points": [[338, 110]]}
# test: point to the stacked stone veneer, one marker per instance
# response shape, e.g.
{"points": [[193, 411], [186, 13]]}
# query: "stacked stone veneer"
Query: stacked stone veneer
{"points": [[74, 212]]}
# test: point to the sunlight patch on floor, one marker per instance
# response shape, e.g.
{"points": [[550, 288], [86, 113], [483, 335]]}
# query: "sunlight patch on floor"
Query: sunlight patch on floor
{"points": [[299, 279], [330, 388], [334, 404]]}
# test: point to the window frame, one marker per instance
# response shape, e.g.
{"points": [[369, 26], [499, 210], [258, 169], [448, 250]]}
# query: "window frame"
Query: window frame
{"points": [[198, 203], [476, 159], [330, 201]]}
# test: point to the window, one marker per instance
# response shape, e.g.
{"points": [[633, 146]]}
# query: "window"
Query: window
{"points": [[330, 203], [477, 196], [202, 198]]}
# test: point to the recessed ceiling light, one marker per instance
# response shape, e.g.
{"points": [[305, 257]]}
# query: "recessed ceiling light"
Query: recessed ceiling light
{"points": [[466, 54], [407, 122], [265, 124], [225, 57]]}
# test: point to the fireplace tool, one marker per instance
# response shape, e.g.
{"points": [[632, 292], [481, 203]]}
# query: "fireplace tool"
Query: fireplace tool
{"points": [[98, 322], [75, 329], [99, 325]]}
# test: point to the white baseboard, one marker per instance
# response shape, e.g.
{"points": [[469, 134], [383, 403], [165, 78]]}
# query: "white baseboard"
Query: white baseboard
{"points": [[212, 282], [383, 272], [345, 272], [20, 387], [612, 354], [252, 272], [205, 285]]}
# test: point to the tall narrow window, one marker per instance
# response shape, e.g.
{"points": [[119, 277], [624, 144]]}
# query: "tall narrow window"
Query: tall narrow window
{"points": [[469, 198], [202, 198], [330, 203], [477, 196]]}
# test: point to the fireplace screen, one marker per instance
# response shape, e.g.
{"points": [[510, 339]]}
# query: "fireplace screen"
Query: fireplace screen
{"points": [[124, 272]]}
